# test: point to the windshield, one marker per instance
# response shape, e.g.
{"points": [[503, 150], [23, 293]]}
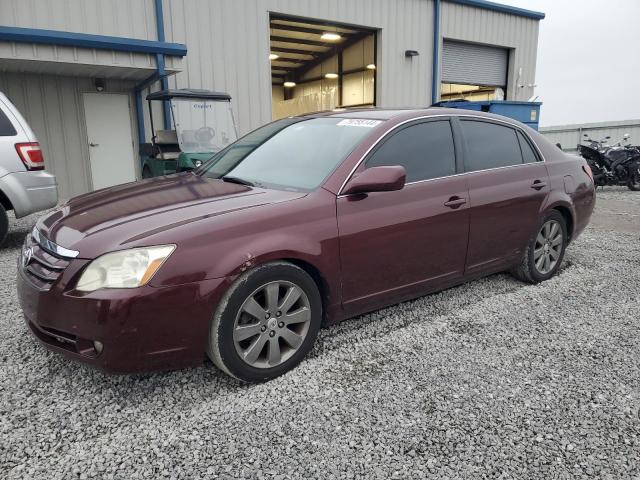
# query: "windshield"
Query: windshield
{"points": [[203, 126], [291, 154]]}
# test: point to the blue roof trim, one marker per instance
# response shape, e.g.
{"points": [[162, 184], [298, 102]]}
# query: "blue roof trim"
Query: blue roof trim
{"points": [[498, 7], [85, 40]]}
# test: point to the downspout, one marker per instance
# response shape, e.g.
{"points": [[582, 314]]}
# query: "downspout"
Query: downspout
{"points": [[435, 70], [166, 108]]}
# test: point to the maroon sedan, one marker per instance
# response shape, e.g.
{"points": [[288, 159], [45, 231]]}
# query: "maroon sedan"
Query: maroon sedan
{"points": [[306, 220]]}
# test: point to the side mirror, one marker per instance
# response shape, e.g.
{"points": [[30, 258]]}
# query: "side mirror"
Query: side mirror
{"points": [[377, 179]]}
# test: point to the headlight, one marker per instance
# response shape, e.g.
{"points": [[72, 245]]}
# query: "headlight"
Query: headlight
{"points": [[125, 269]]}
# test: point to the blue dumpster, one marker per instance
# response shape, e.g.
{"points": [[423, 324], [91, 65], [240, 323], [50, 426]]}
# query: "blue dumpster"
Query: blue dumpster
{"points": [[525, 112]]}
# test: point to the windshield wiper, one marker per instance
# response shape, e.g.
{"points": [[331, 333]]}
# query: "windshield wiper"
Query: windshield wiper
{"points": [[239, 181]]}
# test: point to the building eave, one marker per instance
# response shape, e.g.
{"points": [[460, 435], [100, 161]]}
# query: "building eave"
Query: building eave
{"points": [[498, 7], [85, 40]]}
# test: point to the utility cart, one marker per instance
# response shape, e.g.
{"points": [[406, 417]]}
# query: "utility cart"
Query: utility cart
{"points": [[203, 124]]}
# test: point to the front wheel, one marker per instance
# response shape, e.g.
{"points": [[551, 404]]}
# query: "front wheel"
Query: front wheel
{"points": [[634, 180], [545, 250], [266, 322]]}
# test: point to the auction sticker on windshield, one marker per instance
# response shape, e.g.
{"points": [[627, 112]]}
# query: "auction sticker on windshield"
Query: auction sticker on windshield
{"points": [[358, 122]]}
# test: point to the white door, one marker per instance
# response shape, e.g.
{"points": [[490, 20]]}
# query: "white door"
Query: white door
{"points": [[109, 135]]}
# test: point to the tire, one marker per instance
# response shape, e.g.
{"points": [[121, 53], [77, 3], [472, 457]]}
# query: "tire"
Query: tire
{"points": [[247, 355], [4, 225], [634, 181], [146, 173], [530, 269]]}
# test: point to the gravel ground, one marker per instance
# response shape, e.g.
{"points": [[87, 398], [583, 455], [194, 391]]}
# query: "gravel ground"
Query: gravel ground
{"points": [[494, 379]]}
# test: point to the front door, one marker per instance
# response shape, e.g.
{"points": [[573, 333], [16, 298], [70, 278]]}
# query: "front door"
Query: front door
{"points": [[398, 245], [508, 184], [111, 155]]}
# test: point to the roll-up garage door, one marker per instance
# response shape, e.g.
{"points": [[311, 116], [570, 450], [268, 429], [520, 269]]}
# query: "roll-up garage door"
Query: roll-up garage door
{"points": [[472, 64]]}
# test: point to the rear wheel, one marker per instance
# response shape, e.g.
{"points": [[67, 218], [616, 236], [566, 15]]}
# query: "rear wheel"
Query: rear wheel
{"points": [[146, 172], [545, 251], [266, 322], [634, 180], [4, 224]]}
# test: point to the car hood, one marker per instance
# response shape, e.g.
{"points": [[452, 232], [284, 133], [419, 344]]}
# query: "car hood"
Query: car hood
{"points": [[143, 213]]}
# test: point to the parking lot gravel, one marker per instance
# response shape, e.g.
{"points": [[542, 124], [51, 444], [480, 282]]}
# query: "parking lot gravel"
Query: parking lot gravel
{"points": [[493, 379]]}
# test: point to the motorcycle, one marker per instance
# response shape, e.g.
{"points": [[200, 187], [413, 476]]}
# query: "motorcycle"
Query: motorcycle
{"points": [[617, 164]]}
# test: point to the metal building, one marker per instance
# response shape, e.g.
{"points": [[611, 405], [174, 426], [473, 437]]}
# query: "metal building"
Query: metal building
{"points": [[570, 136], [79, 69]]}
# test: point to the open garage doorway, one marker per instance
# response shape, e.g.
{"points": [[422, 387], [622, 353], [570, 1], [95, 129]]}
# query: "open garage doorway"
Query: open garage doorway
{"points": [[320, 65], [473, 72]]}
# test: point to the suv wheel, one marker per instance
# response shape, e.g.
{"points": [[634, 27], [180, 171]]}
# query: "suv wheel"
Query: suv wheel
{"points": [[266, 322], [4, 224], [545, 251]]}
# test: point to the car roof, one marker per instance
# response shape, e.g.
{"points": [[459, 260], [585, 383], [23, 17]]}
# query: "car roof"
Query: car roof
{"points": [[374, 113], [189, 93]]}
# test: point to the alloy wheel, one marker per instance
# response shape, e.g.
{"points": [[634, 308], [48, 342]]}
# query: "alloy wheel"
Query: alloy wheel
{"points": [[272, 324], [548, 247]]}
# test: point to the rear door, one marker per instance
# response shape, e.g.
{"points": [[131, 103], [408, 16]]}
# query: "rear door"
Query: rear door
{"points": [[396, 245], [508, 183]]}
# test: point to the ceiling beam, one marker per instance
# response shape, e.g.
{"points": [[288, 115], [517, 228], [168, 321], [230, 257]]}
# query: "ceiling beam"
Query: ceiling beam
{"points": [[315, 31], [301, 41], [294, 51], [329, 53]]}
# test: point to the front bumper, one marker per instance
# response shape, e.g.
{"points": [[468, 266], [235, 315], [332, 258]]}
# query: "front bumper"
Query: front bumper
{"points": [[141, 329], [30, 192]]}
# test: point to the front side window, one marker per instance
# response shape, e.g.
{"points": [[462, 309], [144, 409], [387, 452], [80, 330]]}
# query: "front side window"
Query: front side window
{"points": [[290, 154], [425, 150], [489, 145]]}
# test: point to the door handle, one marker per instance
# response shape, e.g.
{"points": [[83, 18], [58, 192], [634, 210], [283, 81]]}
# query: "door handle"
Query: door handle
{"points": [[537, 185], [455, 202], [94, 144]]}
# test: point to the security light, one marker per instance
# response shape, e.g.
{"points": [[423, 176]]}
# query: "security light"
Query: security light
{"points": [[330, 36]]}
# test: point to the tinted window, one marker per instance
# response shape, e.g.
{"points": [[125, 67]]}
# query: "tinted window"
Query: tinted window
{"points": [[6, 128], [527, 152], [424, 150], [490, 146]]}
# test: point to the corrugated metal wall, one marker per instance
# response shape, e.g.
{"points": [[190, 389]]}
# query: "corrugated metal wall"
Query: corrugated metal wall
{"points": [[53, 107], [120, 18], [569, 136], [478, 25], [228, 46], [228, 43]]}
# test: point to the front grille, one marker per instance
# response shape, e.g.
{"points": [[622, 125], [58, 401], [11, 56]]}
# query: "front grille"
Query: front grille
{"points": [[41, 267]]}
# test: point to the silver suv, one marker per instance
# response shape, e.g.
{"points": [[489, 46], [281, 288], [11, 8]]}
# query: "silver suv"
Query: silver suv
{"points": [[24, 185]]}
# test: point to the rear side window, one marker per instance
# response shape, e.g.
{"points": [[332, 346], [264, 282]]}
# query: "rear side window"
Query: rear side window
{"points": [[527, 152], [6, 127], [425, 151], [490, 146]]}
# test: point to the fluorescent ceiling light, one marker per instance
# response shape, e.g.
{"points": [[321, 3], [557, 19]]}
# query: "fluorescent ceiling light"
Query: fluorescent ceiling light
{"points": [[331, 36], [330, 75], [273, 56], [371, 66], [289, 84]]}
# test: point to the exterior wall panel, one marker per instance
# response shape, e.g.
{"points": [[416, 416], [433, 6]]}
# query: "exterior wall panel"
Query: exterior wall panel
{"points": [[53, 107], [228, 45], [520, 34], [569, 136]]}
